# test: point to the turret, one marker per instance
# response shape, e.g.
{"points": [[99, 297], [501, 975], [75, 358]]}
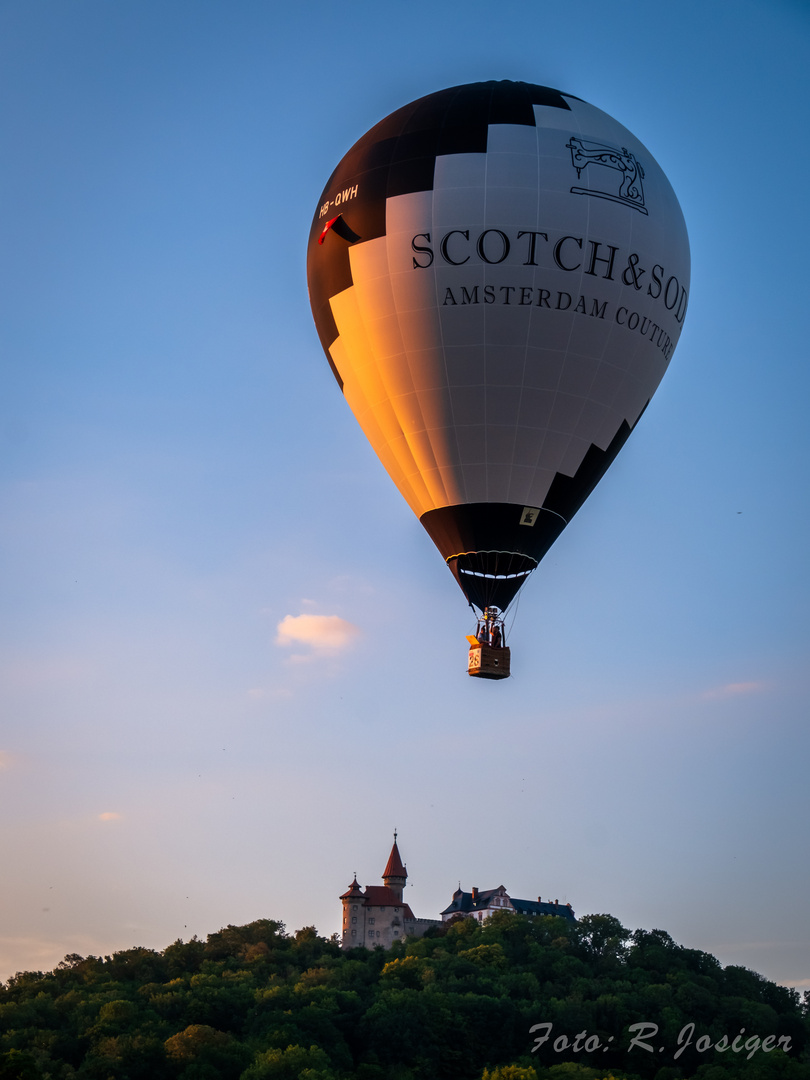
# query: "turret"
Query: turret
{"points": [[395, 875], [353, 916]]}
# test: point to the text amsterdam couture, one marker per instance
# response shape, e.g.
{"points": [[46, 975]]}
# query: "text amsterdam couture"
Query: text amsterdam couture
{"points": [[571, 254]]}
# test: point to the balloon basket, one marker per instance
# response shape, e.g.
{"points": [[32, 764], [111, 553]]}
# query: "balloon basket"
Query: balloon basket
{"points": [[489, 662]]}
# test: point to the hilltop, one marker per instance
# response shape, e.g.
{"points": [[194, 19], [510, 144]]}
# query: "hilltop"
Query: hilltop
{"points": [[255, 1003]]}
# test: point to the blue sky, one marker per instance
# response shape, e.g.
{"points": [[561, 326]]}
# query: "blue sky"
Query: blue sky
{"points": [[180, 474]]}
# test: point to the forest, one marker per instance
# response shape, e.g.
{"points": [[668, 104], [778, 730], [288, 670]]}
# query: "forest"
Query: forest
{"points": [[514, 998]]}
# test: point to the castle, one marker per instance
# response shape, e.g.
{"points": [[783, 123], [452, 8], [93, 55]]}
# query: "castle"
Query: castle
{"points": [[481, 903], [378, 915]]}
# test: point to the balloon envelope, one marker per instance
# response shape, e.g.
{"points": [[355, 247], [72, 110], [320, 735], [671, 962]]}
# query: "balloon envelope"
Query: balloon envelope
{"points": [[499, 274]]}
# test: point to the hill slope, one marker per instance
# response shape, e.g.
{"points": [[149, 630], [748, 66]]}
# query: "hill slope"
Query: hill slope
{"points": [[253, 1003]]}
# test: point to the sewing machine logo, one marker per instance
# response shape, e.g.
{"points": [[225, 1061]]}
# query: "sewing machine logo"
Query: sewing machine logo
{"points": [[584, 152]]}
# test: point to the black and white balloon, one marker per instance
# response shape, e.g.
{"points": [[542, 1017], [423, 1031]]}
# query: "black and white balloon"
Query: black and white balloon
{"points": [[499, 275]]}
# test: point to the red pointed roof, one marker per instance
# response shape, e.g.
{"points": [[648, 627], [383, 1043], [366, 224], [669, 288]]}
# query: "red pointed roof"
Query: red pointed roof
{"points": [[382, 896], [394, 867], [353, 890]]}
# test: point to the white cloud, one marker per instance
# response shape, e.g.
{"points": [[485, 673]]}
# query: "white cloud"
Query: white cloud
{"points": [[327, 633], [733, 690]]}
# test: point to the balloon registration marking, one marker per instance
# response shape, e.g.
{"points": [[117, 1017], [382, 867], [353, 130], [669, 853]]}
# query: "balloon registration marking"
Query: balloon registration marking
{"points": [[505, 288]]}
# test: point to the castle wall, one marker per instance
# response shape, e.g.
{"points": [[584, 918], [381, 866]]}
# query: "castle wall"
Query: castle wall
{"points": [[417, 927], [366, 926]]}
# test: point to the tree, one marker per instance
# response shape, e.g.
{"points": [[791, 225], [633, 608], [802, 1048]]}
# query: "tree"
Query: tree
{"points": [[602, 937], [294, 1063], [16, 1065]]}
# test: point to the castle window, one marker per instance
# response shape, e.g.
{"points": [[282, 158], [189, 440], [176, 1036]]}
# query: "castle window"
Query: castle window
{"points": [[396, 933], [371, 933], [396, 909], [353, 932], [354, 918], [378, 933], [370, 921]]}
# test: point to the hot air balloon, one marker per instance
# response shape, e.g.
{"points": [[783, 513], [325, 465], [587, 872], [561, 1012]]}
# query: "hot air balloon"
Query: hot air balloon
{"points": [[499, 275]]}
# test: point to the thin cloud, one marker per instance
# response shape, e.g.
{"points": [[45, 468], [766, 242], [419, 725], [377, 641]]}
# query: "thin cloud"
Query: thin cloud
{"points": [[731, 690], [5, 760], [325, 633], [306, 658], [109, 815], [262, 693], [29, 672], [21, 953]]}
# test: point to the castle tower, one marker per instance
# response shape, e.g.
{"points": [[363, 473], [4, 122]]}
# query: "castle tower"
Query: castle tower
{"points": [[395, 875], [354, 917]]}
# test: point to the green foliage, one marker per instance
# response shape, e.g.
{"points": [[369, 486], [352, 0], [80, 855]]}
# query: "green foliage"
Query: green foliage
{"points": [[195, 1041], [252, 1002], [294, 1063], [14, 1065], [510, 1072]]}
